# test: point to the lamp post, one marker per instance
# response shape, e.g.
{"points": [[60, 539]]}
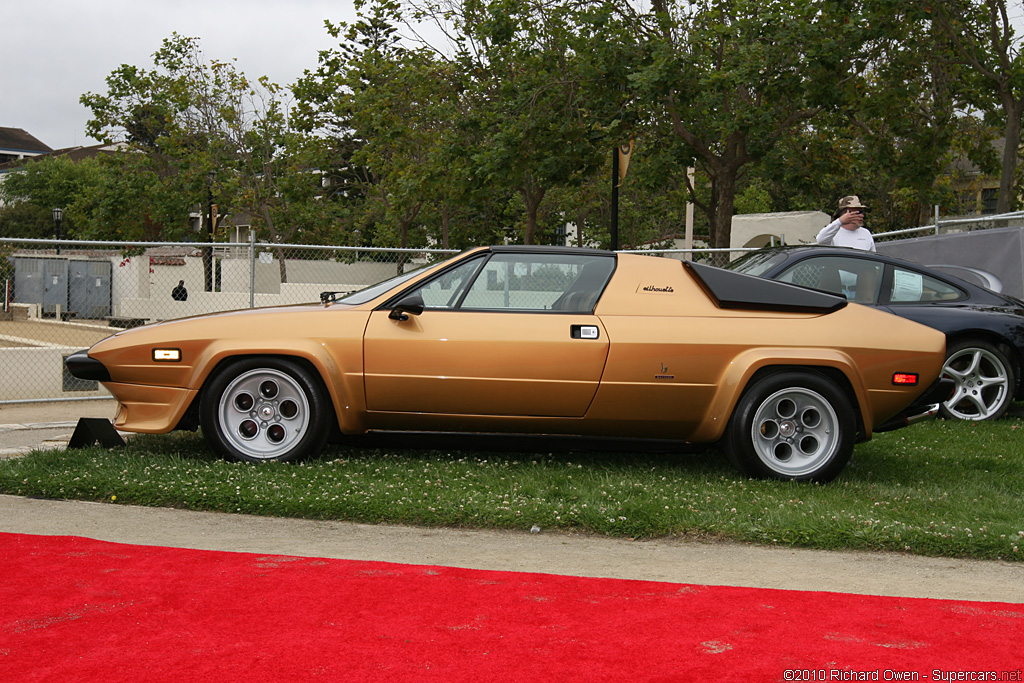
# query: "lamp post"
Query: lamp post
{"points": [[58, 216], [211, 219]]}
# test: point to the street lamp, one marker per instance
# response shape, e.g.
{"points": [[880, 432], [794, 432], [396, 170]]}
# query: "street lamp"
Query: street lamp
{"points": [[58, 216]]}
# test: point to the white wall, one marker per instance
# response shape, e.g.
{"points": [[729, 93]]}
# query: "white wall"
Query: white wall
{"points": [[795, 227], [141, 290], [40, 374]]}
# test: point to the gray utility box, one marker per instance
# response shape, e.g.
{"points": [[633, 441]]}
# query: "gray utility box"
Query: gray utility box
{"points": [[80, 287]]}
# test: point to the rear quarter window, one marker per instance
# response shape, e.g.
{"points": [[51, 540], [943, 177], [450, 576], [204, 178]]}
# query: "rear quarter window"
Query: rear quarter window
{"points": [[910, 287]]}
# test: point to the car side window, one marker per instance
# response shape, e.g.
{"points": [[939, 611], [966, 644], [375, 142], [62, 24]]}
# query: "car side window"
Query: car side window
{"points": [[445, 291], [911, 287], [539, 282], [857, 279]]}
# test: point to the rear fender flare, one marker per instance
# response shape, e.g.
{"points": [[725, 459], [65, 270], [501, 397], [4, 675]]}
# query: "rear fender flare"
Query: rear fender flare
{"points": [[744, 367]]}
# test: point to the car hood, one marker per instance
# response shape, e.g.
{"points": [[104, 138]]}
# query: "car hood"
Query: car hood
{"points": [[308, 330]]}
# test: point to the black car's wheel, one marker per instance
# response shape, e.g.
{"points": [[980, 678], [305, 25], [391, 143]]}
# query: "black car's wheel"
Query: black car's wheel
{"points": [[260, 409], [984, 381], [793, 426]]}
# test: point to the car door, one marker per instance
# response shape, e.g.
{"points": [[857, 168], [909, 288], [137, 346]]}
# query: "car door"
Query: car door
{"points": [[509, 334]]}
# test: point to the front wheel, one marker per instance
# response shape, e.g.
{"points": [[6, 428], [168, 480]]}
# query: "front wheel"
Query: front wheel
{"points": [[984, 382], [795, 426], [265, 409]]}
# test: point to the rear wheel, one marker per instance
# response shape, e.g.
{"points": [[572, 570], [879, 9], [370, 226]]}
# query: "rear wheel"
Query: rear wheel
{"points": [[792, 425], [984, 381], [265, 409]]}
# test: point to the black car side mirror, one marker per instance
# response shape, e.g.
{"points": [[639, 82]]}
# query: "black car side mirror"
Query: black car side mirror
{"points": [[411, 304]]}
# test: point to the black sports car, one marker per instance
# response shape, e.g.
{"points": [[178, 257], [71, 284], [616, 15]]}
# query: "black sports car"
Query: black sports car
{"points": [[984, 330]]}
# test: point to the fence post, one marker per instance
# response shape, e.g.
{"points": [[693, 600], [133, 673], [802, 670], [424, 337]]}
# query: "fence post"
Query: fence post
{"points": [[252, 268]]}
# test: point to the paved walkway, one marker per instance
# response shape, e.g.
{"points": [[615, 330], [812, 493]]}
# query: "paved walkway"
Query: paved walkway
{"points": [[29, 426], [671, 560]]}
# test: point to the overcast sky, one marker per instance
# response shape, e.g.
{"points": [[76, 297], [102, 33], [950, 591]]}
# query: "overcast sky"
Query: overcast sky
{"points": [[53, 51]]}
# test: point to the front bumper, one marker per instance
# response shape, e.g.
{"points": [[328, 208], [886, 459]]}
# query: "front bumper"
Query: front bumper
{"points": [[143, 408]]}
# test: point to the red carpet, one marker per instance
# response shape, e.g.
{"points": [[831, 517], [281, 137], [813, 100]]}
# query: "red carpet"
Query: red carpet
{"points": [[74, 609]]}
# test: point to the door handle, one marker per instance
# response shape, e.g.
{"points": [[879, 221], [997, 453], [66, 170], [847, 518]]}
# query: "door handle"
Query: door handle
{"points": [[584, 332]]}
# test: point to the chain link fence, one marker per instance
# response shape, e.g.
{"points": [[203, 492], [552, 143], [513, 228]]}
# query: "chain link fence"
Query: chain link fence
{"points": [[953, 225], [61, 297]]}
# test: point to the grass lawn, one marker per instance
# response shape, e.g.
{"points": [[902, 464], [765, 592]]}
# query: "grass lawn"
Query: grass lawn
{"points": [[939, 488]]}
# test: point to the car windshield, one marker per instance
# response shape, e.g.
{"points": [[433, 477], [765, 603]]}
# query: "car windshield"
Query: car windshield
{"points": [[757, 262], [373, 291]]}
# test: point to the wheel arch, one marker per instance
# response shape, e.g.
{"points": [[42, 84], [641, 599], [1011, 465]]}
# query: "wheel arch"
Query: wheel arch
{"points": [[830, 364], [832, 373], [343, 399]]}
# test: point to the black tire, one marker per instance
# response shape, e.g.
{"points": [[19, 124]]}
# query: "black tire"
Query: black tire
{"points": [[984, 381], [792, 426], [261, 409]]}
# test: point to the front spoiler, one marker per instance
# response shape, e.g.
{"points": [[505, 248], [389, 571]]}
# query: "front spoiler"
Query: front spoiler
{"points": [[924, 408], [80, 365]]}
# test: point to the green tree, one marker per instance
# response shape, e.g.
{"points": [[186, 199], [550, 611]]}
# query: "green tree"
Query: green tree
{"points": [[197, 134], [381, 100], [735, 78], [652, 199], [983, 38], [526, 122], [171, 123], [26, 220], [29, 195], [887, 137]]}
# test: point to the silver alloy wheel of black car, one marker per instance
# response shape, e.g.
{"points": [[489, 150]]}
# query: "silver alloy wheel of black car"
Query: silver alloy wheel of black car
{"points": [[263, 409], [984, 382], [792, 426]]}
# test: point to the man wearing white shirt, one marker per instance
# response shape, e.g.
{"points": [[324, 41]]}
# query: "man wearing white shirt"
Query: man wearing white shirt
{"points": [[847, 229]]}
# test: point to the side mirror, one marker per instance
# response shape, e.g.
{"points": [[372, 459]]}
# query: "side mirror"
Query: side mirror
{"points": [[407, 305]]}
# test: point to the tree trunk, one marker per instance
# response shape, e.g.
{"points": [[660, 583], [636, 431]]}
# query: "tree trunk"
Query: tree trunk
{"points": [[404, 223], [1011, 134], [532, 197], [446, 221], [403, 240], [724, 203], [282, 265]]}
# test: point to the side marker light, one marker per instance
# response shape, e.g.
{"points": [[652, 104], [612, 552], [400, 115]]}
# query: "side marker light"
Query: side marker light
{"points": [[166, 355], [905, 379]]}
